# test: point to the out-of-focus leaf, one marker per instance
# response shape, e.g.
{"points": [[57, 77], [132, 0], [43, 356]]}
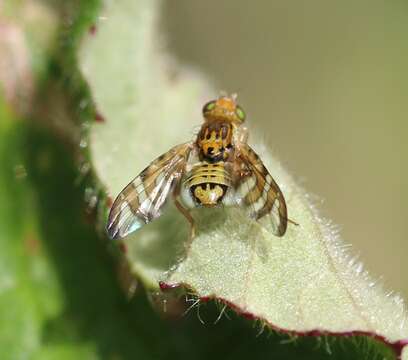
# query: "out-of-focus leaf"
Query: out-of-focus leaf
{"points": [[29, 291], [27, 34], [303, 283], [59, 295], [157, 106]]}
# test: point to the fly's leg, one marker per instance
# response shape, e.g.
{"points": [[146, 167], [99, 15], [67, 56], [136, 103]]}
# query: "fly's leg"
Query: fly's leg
{"points": [[190, 219]]}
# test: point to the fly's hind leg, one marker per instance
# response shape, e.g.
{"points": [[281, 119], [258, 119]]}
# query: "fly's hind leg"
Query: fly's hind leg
{"points": [[190, 219]]}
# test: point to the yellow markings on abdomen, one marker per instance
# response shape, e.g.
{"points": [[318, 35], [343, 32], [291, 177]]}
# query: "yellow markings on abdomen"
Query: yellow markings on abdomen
{"points": [[208, 183]]}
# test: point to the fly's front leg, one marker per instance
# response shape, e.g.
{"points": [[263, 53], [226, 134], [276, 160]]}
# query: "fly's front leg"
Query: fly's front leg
{"points": [[188, 216], [191, 221]]}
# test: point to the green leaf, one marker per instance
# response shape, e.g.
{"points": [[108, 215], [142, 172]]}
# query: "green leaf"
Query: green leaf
{"points": [[303, 283], [167, 103], [59, 294]]}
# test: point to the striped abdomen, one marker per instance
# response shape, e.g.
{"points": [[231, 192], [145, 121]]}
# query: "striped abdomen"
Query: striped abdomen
{"points": [[208, 183]]}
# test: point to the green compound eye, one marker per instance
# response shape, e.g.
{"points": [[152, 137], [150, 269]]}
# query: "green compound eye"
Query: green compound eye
{"points": [[209, 106], [240, 113]]}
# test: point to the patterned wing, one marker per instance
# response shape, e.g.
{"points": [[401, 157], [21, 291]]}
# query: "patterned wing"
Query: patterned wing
{"points": [[141, 201], [259, 192]]}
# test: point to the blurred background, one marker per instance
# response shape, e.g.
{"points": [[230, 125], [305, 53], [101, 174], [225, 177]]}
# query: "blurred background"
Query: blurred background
{"points": [[326, 84]]}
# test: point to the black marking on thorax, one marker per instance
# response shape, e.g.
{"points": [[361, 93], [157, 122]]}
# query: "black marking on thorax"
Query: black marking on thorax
{"points": [[215, 141]]}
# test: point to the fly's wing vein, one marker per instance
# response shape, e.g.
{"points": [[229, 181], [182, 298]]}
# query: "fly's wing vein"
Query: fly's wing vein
{"points": [[141, 201], [258, 192]]}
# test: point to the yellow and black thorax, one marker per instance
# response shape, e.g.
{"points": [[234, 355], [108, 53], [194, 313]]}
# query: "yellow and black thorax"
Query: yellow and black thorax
{"points": [[215, 141]]}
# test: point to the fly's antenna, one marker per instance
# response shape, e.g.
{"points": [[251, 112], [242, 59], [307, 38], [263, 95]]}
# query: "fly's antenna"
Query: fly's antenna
{"points": [[223, 93], [233, 95]]}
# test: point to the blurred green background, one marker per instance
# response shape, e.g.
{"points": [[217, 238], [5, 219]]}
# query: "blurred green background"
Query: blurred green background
{"points": [[325, 83]]}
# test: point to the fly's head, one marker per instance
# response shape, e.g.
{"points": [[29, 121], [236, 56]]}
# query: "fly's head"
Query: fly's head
{"points": [[224, 108]]}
